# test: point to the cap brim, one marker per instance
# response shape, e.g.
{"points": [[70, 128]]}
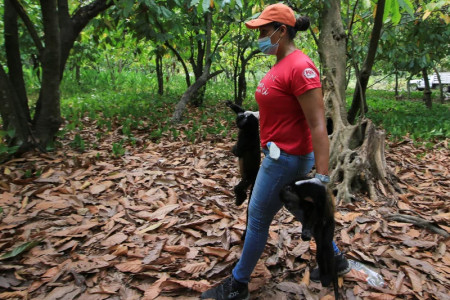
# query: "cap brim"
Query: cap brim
{"points": [[256, 23]]}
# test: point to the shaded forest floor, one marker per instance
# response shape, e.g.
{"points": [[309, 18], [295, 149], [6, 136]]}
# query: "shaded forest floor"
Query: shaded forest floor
{"points": [[159, 223]]}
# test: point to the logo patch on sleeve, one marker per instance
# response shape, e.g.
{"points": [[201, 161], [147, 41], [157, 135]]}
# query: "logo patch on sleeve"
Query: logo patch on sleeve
{"points": [[309, 73]]}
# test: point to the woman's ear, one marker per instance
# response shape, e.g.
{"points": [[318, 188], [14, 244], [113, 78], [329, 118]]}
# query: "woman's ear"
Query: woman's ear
{"points": [[283, 30]]}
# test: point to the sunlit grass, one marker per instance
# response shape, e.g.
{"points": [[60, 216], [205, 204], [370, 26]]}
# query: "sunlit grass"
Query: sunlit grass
{"points": [[409, 118], [128, 104]]}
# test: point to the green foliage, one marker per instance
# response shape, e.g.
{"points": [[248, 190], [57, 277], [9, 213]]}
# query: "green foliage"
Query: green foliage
{"points": [[408, 118], [78, 142], [22, 248], [118, 149], [130, 109], [6, 150]]}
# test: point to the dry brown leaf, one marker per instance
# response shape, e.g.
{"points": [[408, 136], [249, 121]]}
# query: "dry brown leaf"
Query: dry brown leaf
{"points": [[220, 252], [403, 206], [46, 205], [192, 232], [69, 245], [300, 249], [345, 237], [177, 249], [154, 253], [120, 250], [442, 217], [115, 239], [306, 278], [173, 197], [87, 266], [195, 268], [415, 279], [153, 291], [14, 295], [291, 287], [207, 182], [355, 275], [381, 296], [160, 213], [75, 230], [132, 266], [349, 217], [101, 187], [150, 228], [174, 284], [69, 292]]}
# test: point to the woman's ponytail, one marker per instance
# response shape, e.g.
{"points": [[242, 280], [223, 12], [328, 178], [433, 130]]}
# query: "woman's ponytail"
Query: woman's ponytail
{"points": [[302, 23]]}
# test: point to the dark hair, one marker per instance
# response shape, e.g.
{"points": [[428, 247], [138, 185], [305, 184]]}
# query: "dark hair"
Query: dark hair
{"points": [[301, 24]]}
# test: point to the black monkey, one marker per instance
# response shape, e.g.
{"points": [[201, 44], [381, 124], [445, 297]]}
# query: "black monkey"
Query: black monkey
{"points": [[312, 205], [247, 149]]}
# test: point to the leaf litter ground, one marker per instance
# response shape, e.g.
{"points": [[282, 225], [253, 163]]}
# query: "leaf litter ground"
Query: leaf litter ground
{"points": [[160, 223]]}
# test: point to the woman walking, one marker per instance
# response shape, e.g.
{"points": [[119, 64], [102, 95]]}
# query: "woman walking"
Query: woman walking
{"points": [[292, 122]]}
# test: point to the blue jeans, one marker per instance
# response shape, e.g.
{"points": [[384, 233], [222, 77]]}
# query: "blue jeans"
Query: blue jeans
{"points": [[265, 203]]}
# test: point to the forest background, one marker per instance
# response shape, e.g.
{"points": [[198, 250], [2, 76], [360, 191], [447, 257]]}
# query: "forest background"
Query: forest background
{"points": [[116, 148]]}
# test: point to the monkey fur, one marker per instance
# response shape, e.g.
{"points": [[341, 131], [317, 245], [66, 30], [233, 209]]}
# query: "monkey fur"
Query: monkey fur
{"points": [[248, 150], [313, 206]]}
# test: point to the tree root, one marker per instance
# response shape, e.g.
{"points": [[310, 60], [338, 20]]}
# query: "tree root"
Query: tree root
{"points": [[418, 222], [358, 164]]}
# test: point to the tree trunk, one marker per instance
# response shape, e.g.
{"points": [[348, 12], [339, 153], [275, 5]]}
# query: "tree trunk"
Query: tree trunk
{"points": [[359, 103], [181, 106], [181, 60], [441, 87], [48, 113], [203, 78], [78, 74], [60, 32], [357, 162], [159, 72], [241, 80], [397, 95], [427, 90], [14, 115], [13, 58]]}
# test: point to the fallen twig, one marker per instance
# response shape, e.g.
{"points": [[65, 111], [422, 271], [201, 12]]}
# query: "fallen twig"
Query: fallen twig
{"points": [[417, 221]]}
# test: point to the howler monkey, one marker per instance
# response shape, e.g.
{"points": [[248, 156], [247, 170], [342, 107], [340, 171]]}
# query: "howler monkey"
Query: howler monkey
{"points": [[312, 205], [247, 149]]}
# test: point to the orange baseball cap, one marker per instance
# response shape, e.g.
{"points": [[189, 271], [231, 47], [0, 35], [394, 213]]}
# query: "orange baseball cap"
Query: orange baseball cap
{"points": [[273, 13]]}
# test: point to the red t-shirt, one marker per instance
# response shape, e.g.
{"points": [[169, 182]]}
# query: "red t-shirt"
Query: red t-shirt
{"points": [[281, 118]]}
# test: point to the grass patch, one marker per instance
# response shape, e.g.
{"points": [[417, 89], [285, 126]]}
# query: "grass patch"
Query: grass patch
{"points": [[116, 110], [409, 118], [132, 112], [129, 106]]}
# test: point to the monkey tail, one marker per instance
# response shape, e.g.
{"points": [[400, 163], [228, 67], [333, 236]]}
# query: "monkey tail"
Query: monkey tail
{"points": [[336, 285]]}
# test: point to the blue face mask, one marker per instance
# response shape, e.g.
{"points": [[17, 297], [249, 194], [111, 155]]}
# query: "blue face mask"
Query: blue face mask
{"points": [[266, 46]]}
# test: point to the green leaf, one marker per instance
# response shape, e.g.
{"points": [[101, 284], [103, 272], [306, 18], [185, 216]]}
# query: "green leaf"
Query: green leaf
{"points": [[22, 248], [194, 3], [407, 6], [395, 10], [387, 9], [205, 5]]}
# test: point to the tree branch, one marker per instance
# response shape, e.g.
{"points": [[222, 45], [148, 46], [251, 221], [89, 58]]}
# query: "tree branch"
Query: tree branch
{"points": [[180, 59], [84, 14], [417, 221], [214, 74], [28, 24]]}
